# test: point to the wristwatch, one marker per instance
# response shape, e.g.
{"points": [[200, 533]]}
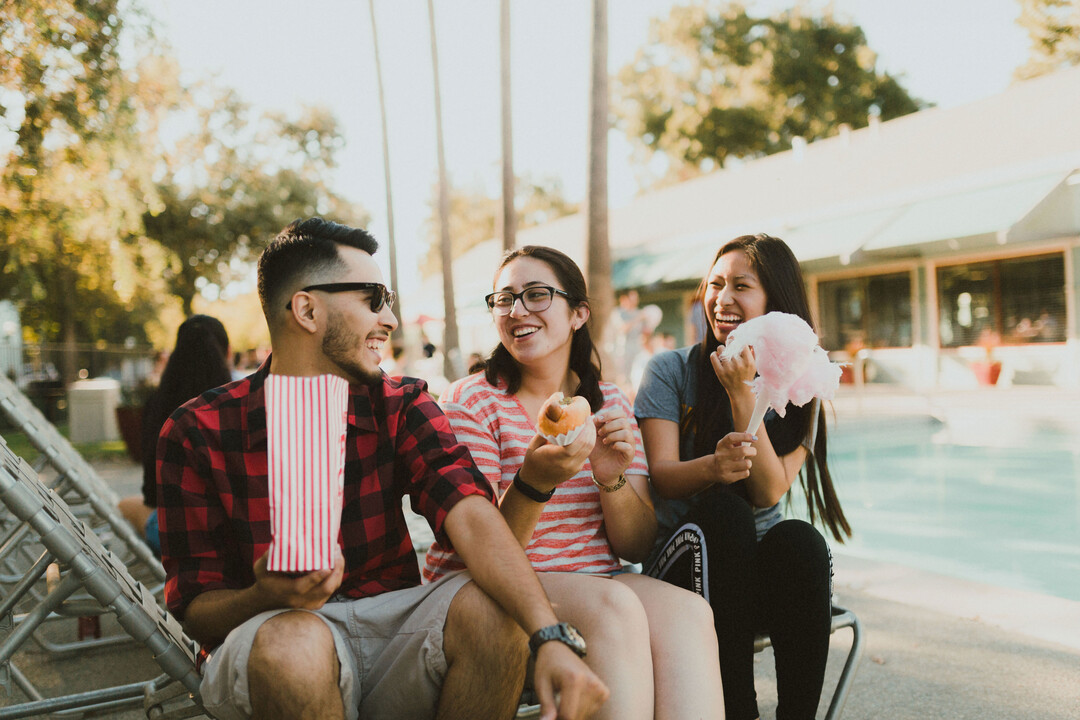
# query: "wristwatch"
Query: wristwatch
{"points": [[565, 633]]}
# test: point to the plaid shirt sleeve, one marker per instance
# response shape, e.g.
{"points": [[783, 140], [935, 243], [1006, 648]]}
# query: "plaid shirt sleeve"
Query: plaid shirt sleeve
{"points": [[188, 513], [440, 470]]}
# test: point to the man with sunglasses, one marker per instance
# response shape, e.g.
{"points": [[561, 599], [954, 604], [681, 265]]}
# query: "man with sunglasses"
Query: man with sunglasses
{"points": [[364, 638]]}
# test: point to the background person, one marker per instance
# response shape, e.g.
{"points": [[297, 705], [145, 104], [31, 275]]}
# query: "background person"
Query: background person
{"points": [[361, 638], [721, 530], [578, 509], [197, 363]]}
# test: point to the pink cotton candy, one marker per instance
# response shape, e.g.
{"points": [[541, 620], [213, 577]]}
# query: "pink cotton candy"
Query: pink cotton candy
{"points": [[791, 365]]}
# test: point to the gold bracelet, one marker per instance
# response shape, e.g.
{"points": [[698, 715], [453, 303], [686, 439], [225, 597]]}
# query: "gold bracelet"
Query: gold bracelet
{"points": [[612, 488]]}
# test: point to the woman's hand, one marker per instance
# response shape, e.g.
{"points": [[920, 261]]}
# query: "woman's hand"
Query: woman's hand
{"points": [[732, 459], [734, 373], [547, 465], [614, 450]]}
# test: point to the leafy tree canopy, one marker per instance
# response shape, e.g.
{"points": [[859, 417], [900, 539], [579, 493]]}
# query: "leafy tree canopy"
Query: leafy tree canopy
{"points": [[1054, 29], [230, 185], [72, 174], [475, 217], [121, 190], [714, 82]]}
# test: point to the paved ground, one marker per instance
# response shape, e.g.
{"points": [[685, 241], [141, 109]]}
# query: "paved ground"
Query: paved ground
{"points": [[936, 647]]}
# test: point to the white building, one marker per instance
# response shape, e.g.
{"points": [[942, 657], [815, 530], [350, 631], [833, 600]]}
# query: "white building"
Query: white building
{"points": [[932, 242]]}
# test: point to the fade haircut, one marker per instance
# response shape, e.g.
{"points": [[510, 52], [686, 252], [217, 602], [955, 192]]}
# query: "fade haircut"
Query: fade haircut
{"points": [[302, 251]]}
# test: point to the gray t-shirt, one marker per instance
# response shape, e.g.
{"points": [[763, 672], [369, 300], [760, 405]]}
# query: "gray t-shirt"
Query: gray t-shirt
{"points": [[667, 392]]}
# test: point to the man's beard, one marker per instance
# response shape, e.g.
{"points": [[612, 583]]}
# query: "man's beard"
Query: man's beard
{"points": [[340, 345]]}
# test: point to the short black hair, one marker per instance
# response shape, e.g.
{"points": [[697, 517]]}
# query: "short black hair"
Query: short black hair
{"points": [[303, 249]]}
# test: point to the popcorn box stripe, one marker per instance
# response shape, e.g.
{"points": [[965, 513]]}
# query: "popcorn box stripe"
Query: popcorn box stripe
{"points": [[306, 418]]}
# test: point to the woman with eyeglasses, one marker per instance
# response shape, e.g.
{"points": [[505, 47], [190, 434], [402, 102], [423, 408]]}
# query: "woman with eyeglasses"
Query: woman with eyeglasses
{"points": [[577, 509]]}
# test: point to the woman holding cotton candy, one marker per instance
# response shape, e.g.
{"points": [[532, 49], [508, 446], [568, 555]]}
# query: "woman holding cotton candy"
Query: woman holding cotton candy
{"points": [[578, 507], [718, 487]]}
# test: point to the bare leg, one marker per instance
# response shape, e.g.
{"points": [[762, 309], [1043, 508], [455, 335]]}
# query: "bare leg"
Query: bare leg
{"points": [[293, 670], [615, 628], [686, 664], [486, 653]]}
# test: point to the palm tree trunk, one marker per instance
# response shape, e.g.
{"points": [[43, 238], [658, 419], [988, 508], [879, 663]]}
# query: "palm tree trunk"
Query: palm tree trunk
{"points": [[599, 252], [509, 213], [451, 351], [398, 310]]}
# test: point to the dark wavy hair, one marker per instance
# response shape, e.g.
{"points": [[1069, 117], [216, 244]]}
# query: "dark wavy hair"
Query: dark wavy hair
{"points": [[781, 278], [584, 358], [197, 363]]}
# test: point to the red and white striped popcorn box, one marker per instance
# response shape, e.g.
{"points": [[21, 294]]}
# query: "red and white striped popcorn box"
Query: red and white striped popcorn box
{"points": [[305, 425]]}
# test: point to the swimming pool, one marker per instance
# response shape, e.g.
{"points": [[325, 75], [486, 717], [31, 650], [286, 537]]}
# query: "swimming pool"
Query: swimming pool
{"points": [[1007, 516]]}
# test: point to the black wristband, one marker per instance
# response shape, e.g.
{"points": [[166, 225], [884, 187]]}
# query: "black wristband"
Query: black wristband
{"points": [[529, 491]]}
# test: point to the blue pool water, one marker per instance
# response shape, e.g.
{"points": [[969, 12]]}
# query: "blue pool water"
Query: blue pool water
{"points": [[1007, 516]]}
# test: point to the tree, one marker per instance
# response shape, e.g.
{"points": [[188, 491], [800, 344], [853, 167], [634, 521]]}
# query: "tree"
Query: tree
{"points": [[399, 310], [72, 175], [715, 82], [1054, 29], [233, 183], [509, 215], [453, 366], [599, 249], [474, 217]]}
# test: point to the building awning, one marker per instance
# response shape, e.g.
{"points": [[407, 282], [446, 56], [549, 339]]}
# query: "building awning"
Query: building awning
{"points": [[988, 211], [985, 211]]}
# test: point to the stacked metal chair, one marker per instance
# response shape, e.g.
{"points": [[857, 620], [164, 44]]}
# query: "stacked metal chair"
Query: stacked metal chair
{"points": [[75, 560], [80, 486]]}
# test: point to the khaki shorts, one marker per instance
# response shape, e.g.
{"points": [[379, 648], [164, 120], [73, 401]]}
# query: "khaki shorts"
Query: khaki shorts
{"points": [[390, 647]]}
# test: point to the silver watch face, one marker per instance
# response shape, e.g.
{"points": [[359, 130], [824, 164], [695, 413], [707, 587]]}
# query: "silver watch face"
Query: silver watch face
{"points": [[573, 635]]}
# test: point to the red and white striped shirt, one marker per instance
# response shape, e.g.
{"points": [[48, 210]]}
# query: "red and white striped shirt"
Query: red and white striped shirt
{"points": [[570, 535]]}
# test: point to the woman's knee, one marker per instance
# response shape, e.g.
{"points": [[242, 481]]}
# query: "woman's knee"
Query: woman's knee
{"points": [[795, 542]]}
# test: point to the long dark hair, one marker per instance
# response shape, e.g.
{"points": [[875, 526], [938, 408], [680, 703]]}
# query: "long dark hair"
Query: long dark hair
{"points": [[781, 278], [584, 358], [197, 364]]}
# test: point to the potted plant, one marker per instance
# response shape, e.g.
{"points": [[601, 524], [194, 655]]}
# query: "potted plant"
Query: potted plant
{"points": [[987, 370], [129, 418]]}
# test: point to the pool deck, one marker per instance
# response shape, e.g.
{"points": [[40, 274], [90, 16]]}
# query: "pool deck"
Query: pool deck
{"points": [[936, 646]]}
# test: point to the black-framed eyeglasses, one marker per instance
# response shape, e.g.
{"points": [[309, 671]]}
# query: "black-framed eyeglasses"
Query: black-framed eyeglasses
{"points": [[535, 299], [380, 296]]}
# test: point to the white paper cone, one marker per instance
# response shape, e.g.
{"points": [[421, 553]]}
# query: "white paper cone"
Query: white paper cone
{"points": [[565, 439], [761, 406]]}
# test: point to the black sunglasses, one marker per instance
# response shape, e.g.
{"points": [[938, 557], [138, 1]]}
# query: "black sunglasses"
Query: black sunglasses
{"points": [[380, 296]]}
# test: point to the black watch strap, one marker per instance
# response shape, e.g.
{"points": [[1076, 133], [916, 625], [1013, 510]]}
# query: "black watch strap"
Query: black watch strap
{"points": [[562, 632], [529, 491]]}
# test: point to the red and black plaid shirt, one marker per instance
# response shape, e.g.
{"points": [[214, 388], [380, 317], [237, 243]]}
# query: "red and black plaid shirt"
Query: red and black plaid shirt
{"points": [[213, 507]]}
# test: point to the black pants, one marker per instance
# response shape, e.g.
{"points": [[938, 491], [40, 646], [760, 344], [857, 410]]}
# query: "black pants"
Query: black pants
{"points": [[780, 586]]}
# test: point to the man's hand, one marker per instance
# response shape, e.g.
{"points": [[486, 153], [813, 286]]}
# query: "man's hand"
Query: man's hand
{"points": [[548, 465], [559, 670], [308, 592]]}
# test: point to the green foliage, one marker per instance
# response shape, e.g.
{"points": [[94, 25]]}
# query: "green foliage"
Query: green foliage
{"points": [[475, 217], [232, 184], [1054, 29], [72, 178], [715, 82], [105, 208]]}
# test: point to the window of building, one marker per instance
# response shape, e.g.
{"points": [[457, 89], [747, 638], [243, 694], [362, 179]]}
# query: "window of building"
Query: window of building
{"points": [[1013, 301], [871, 311]]}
